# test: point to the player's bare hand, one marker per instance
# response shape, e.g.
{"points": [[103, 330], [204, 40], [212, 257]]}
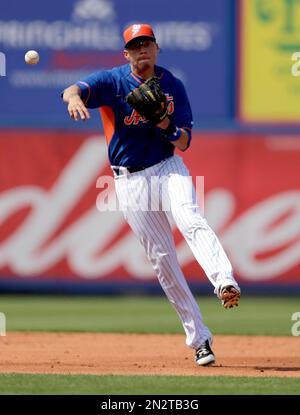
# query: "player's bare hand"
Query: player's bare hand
{"points": [[77, 109], [164, 124]]}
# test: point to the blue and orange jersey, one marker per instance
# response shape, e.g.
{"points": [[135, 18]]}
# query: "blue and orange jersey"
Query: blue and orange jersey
{"points": [[132, 140]]}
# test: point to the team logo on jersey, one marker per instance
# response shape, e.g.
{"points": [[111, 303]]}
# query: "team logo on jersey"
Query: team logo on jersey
{"points": [[134, 118]]}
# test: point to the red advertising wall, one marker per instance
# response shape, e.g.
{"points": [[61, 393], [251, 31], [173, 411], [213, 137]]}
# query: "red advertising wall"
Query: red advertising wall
{"points": [[50, 226]]}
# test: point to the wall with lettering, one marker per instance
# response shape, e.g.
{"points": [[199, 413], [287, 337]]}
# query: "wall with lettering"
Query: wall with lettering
{"points": [[76, 37], [269, 79], [52, 226]]}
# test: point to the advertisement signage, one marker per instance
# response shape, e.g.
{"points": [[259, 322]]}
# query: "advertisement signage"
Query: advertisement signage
{"points": [[269, 89], [51, 225], [75, 38]]}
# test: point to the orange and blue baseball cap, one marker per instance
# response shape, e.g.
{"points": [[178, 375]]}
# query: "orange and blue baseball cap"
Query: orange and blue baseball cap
{"points": [[138, 30]]}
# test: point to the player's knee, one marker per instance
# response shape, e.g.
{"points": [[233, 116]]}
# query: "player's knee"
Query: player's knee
{"points": [[156, 253], [190, 226]]}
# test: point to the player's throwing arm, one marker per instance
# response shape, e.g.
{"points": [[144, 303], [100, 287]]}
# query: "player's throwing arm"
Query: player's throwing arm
{"points": [[76, 107]]}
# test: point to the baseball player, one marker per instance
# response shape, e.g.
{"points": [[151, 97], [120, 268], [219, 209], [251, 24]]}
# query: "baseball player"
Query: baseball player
{"points": [[146, 115]]}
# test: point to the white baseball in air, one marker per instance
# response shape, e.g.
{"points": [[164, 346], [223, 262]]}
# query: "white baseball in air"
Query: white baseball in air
{"points": [[32, 57]]}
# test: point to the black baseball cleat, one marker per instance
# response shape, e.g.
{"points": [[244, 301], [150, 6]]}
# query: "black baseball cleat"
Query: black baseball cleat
{"points": [[230, 295], [204, 355]]}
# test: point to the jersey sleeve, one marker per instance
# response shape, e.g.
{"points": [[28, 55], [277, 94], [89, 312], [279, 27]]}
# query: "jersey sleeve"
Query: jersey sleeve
{"points": [[183, 117], [97, 89]]}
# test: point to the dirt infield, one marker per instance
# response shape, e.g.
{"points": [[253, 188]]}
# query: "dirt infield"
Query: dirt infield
{"points": [[137, 354]]}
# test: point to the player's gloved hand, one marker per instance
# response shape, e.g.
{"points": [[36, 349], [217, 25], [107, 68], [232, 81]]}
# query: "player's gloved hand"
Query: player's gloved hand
{"points": [[149, 101]]}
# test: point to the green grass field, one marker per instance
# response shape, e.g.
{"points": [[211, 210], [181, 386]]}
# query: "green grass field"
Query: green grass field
{"points": [[145, 385], [255, 316]]}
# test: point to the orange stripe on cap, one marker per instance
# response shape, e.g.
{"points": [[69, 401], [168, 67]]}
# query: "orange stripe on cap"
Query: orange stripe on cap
{"points": [[108, 120], [137, 30]]}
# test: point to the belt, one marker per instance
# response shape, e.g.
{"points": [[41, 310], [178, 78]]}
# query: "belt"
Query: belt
{"points": [[118, 171]]}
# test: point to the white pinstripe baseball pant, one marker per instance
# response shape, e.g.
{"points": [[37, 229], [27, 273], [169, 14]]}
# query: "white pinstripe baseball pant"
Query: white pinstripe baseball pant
{"points": [[152, 227]]}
